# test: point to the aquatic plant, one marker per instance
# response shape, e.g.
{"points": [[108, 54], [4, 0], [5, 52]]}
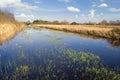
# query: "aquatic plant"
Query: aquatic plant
{"points": [[92, 67], [55, 64]]}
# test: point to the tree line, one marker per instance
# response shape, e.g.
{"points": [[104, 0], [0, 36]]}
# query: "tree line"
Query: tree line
{"points": [[103, 22]]}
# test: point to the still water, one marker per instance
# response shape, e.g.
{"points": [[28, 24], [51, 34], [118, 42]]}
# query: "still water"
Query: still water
{"points": [[39, 53]]}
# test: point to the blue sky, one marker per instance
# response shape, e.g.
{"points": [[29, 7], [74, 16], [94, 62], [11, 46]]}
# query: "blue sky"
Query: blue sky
{"points": [[69, 10]]}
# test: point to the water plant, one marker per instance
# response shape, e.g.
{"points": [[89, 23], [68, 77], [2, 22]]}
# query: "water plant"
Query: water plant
{"points": [[54, 64]]}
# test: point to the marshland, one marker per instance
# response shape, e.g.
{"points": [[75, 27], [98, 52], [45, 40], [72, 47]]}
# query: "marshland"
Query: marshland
{"points": [[9, 27], [104, 31], [57, 50]]}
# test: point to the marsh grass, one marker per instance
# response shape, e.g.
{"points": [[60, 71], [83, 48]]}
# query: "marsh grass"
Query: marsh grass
{"points": [[8, 27], [117, 30], [111, 32]]}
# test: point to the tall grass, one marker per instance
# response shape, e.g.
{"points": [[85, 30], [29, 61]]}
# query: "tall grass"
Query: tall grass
{"points": [[8, 26], [112, 32]]}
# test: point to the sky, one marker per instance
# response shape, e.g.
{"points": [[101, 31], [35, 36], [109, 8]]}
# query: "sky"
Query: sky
{"points": [[68, 10]]}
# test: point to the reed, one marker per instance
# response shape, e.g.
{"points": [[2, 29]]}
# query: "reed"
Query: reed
{"points": [[8, 27], [111, 32]]}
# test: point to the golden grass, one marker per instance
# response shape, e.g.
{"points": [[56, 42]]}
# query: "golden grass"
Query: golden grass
{"points": [[9, 30], [9, 27], [95, 30]]}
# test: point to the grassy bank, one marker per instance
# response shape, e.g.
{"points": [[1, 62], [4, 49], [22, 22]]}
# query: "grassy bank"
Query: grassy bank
{"points": [[9, 27], [111, 32]]}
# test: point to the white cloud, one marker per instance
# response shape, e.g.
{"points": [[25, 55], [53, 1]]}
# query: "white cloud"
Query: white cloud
{"points": [[17, 4], [24, 17], [73, 9], [92, 13], [4, 3], [103, 5], [114, 9]]}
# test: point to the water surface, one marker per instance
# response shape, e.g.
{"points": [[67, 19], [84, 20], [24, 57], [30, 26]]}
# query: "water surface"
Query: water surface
{"points": [[42, 49]]}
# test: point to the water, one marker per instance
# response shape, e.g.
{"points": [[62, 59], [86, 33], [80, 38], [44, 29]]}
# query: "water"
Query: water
{"points": [[42, 50]]}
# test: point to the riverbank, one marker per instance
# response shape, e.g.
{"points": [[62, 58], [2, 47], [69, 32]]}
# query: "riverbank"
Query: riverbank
{"points": [[9, 30], [9, 27], [111, 32]]}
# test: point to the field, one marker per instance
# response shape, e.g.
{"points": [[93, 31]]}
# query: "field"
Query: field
{"points": [[111, 32]]}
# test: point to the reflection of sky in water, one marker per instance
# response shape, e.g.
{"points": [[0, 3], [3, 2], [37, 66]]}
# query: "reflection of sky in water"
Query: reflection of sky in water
{"points": [[32, 40]]}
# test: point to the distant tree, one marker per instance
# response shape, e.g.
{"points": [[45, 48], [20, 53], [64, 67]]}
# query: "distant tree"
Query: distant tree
{"points": [[89, 23], [74, 23], [41, 22], [64, 22], [117, 22], [36, 21], [104, 22], [56, 22], [28, 22]]}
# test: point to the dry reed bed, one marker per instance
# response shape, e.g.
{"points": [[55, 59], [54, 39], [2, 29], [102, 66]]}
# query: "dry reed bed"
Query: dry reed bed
{"points": [[112, 32], [9, 27], [9, 30]]}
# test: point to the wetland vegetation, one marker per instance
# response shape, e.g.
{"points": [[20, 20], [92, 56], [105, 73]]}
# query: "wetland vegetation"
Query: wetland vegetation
{"points": [[9, 27], [37, 53], [65, 65], [102, 31], [59, 39]]}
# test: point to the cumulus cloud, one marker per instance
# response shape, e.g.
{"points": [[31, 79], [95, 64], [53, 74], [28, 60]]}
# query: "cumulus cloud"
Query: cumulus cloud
{"points": [[92, 13], [114, 9], [17, 4], [103, 5], [73, 9], [25, 17]]}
